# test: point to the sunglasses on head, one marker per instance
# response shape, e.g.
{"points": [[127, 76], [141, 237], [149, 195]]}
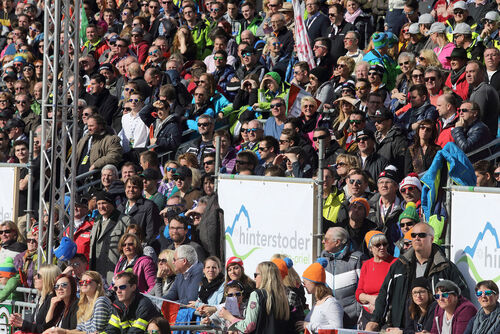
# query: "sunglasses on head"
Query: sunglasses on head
{"points": [[485, 293]]}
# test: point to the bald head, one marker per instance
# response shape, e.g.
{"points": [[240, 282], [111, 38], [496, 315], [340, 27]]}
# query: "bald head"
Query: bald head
{"points": [[134, 70]]}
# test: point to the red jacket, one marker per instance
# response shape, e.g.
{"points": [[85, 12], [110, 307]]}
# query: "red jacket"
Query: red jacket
{"points": [[444, 136], [82, 236], [461, 87], [141, 50]]}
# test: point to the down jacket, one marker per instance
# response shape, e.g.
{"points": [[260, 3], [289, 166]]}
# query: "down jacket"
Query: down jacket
{"points": [[471, 138], [168, 137], [390, 304]]}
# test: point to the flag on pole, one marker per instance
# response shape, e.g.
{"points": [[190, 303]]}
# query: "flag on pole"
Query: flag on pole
{"points": [[84, 22], [295, 96], [304, 51], [169, 309]]}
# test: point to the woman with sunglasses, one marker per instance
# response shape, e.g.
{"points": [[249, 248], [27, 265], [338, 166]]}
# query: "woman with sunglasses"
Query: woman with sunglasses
{"points": [[94, 308], [343, 165], [132, 259], [399, 94], [420, 155], [158, 325], [236, 272], [487, 319], [268, 305], [320, 86], [27, 260], [372, 274], [167, 185], [165, 276], [63, 306], [454, 311], [44, 282]]}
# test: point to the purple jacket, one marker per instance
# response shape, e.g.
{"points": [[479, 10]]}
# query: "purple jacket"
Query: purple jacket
{"points": [[463, 313], [145, 269]]}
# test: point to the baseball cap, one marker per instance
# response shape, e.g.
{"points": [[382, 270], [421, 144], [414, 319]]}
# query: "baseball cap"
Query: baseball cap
{"points": [[382, 114], [106, 66], [183, 172], [14, 123], [414, 29], [438, 27], [492, 16], [365, 132], [425, 19], [151, 174], [462, 28], [460, 5]]}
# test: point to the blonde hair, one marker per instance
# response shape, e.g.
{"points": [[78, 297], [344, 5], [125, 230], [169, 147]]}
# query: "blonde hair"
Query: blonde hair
{"points": [[85, 305], [291, 280], [431, 58], [352, 161], [308, 99], [49, 273], [169, 255], [349, 62], [276, 295]]}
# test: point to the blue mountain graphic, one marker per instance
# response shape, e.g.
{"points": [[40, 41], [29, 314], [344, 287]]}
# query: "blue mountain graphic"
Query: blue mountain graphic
{"points": [[488, 227], [244, 211]]}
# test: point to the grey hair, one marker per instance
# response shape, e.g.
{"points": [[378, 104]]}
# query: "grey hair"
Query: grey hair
{"points": [[187, 252], [203, 200], [408, 55], [111, 168], [339, 233], [83, 102], [377, 238]]}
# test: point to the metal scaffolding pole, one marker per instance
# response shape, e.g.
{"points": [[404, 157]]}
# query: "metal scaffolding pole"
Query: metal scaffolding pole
{"points": [[59, 119]]}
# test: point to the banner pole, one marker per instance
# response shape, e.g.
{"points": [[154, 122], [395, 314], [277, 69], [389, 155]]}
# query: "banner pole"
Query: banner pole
{"points": [[217, 162], [319, 206]]}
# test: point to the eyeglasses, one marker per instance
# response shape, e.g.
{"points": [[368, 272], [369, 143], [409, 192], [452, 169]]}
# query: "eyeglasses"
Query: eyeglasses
{"points": [[128, 244], [489, 21], [444, 295], [372, 73], [121, 287], [355, 121], [209, 162], [408, 189], [63, 285], [255, 275], [382, 244], [404, 63], [358, 182], [465, 110], [276, 105], [251, 130], [421, 235], [241, 162], [214, 10], [85, 282], [31, 241], [419, 292], [320, 137], [406, 224], [282, 141], [236, 294], [430, 79], [171, 169], [485, 293], [203, 125], [340, 164], [5, 231]]}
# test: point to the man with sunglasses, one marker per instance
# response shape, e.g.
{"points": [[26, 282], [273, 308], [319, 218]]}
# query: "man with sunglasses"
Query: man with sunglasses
{"points": [[371, 162], [391, 140], [202, 144], [490, 36], [411, 190], [331, 147], [275, 124], [250, 64], [424, 259], [133, 311], [469, 132], [255, 134], [183, 178], [23, 107]]}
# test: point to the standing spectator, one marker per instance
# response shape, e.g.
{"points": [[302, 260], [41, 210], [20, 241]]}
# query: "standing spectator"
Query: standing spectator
{"points": [[456, 79], [446, 106], [357, 224], [166, 134], [105, 103]]}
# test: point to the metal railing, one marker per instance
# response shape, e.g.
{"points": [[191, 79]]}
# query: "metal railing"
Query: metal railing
{"points": [[493, 149]]}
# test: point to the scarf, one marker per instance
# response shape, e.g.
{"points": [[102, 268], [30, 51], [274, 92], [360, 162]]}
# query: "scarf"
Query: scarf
{"points": [[352, 17], [454, 75], [309, 125], [486, 324], [208, 288]]}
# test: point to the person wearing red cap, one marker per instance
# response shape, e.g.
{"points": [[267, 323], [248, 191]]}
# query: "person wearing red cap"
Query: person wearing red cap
{"points": [[327, 311], [236, 272]]}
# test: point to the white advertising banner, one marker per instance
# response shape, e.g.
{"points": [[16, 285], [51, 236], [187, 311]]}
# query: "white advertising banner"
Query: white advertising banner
{"points": [[8, 195], [265, 217], [474, 236]]}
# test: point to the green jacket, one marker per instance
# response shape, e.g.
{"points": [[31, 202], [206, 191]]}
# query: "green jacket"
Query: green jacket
{"points": [[253, 26], [9, 291], [201, 39], [265, 97]]}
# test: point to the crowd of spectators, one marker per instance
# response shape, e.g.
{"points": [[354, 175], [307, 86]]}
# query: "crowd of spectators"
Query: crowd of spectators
{"points": [[394, 84]]}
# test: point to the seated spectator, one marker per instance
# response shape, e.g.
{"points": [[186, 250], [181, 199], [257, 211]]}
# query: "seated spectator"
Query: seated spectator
{"points": [[421, 153], [9, 236], [183, 181], [143, 212], [343, 165], [178, 232], [62, 310], [10, 279], [202, 144], [227, 151], [446, 106], [132, 259], [247, 162], [485, 172], [236, 272], [421, 109], [190, 274], [343, 262], [165, 276], [357, 224], [373, 163], [373, 273], [139, 308], [470, 133], [275, 123], [483, 322], [159, 324], [146, 250], [44, 282], [211, 291], [94, 308], [320, 87], [151, 180], [26, 262], [454, 310], [327, 311]]}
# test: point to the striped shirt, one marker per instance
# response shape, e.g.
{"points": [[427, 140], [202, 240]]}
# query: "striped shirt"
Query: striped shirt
{"points": [[100, 317]]}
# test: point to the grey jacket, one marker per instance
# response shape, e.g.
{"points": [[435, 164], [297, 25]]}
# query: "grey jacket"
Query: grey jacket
{"points": [[346, 269], [104, 240]]}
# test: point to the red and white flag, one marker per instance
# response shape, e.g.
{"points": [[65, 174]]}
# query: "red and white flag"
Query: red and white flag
{"points": [[169, 309], [304, 51], [295, 95]]}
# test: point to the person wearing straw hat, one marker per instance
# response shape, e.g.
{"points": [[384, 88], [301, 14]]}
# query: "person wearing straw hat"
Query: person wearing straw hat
{"points": [[327, 311]]}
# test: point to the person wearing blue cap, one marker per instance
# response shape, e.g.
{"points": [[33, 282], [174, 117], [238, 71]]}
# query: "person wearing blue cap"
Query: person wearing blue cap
{"points": [[379, 56]]}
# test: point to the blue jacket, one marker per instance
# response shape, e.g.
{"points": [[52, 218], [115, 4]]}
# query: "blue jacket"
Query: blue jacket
{"points": [[185, 287], [460, 171], [471, 138]]}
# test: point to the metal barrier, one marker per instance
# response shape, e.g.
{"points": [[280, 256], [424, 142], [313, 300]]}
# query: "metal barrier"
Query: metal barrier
{"points": [[196, 328], [25, 308]]}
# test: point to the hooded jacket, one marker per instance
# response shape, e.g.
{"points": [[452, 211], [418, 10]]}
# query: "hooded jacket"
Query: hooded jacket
{"points": [[168, 137], [391, 301], [145, 269], [463, 313]]}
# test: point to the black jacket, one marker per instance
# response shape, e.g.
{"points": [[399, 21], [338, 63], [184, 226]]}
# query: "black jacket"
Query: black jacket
{"points": [[133, 319], [393, 147], [145, 214], [471, 138], [413, 326], [316, 26], [395, 290], [337, 46], [68, 321], [168, 137], [14, 246], [36, 322], [107, 105], [374, 165]]}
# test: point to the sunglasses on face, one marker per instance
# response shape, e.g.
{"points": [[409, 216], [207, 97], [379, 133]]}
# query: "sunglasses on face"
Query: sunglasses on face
{"points": [[235, 294], [218, 58], [283, 141], [121, 287], [408, 189], [276, 105], [127, 109], [5, 231], [246, 54], [85, 282], [171, 169], [465, 110], [421, 235], [485, 293], [404, 63], [128, 89], [128, 244], [31, 241], [134, 100], [444, 295], [355, 121], [382, 244], [209, 162], [417, 76], [365, 138], [428, 79], [406, 224], [276, 44], [162, 261], [203, 125], [63, 285], [251, 130], [320, 137], [153, 52], [352, 181]]}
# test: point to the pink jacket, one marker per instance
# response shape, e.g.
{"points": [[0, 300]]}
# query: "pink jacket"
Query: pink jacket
{"points": [[443, 53], [463, 313], [145, 269]]}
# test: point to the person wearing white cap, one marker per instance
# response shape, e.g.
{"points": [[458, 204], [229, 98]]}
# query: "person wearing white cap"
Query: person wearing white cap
{"points": [[425, 22], [417, 40], [464, 37], [437, 34], [490, 33]]}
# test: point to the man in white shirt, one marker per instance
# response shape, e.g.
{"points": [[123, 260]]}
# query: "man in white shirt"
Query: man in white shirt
{"points": [[134, 133]]}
